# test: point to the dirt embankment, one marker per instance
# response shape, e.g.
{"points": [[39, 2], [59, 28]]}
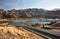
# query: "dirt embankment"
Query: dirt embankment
{"points": [[13, 32]]}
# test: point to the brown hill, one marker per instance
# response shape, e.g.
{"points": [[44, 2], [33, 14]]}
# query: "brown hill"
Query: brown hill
{"points": [[29, 13]]}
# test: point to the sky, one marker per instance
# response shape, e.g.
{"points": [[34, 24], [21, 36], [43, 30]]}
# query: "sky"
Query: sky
{"points": [[23, 4]]}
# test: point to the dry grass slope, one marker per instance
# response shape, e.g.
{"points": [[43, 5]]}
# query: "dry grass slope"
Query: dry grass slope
{"points": [[13, 32]]}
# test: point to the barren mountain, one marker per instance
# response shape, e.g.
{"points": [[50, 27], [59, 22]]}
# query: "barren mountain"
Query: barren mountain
{"points": [[30, 13]]}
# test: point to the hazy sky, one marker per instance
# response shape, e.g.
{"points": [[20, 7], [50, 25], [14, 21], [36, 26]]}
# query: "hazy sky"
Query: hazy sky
{"points": [[21, 4]]}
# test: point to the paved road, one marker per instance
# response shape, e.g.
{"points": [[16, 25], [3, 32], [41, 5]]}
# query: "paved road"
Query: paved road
{"points": [[50, 31], [39, 30]]}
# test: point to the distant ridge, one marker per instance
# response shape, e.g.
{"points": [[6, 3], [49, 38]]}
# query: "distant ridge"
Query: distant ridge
{"points": [[30, 13]]}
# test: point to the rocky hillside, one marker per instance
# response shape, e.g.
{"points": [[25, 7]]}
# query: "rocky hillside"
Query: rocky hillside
{"points": [[29, 13]]}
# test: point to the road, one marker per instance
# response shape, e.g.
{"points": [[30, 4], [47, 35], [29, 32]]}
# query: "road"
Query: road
{"points": [[43, 32]]}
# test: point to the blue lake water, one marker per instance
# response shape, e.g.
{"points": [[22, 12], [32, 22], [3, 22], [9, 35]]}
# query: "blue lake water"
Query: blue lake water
{"points": [[31, 21], [34, 21]]}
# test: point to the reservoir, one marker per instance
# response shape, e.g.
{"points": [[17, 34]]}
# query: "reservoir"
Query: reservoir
{"points": [[31, 21]]}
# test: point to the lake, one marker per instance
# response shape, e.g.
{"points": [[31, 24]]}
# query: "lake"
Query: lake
{"points": [[31, 21], [34, 21]]}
